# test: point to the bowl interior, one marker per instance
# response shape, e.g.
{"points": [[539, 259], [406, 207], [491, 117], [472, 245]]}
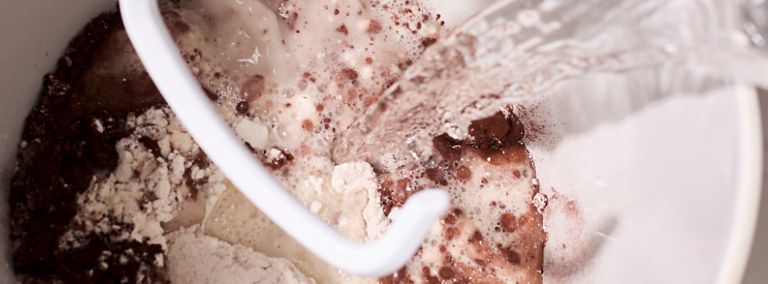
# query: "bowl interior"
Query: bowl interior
{"points": [[656, 190], [665, 192], [34, 37]]}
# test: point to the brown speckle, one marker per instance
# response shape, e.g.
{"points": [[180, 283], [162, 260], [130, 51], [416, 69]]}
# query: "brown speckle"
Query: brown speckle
{"points": [[508, 222], [463, 173], [401, 276], [445, 273], [349, 73], [476, 237], [428, 42], [252, 88], [343, 29], [374, 27], [510, 255], [450, 219], [427, 273], [307, 125], [451, 233], [291, 20], [437, 175], [280, 161]]}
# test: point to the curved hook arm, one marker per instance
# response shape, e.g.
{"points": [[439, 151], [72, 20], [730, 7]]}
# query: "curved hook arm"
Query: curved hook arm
{"points": [[161, 58]]}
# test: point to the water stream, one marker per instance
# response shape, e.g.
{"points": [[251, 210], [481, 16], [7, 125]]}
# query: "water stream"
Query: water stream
{"points": [[516, 52]]}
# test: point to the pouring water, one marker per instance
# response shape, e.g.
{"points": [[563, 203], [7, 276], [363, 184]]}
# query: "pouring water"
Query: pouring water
{"points": [[516, 52]]}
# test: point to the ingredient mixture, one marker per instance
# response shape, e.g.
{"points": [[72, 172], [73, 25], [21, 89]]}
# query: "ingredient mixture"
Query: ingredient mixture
{"points": [[109, 187]]}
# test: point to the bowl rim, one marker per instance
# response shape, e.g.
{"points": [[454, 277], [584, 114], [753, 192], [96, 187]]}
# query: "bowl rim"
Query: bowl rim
{"points": [[749, 181]]}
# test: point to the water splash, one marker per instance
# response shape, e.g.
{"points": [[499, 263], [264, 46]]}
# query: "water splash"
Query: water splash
{"points": [[516, 52]]}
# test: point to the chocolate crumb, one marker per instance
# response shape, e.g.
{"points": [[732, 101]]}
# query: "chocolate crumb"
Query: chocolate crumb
{"points": [[349, 74], [427, 273], [253, 87], [510, 255], [307, 125], [476, 237], [446, 273], [427, 42], [437, 175], [277, 159], [463, 174], [508, 222]]}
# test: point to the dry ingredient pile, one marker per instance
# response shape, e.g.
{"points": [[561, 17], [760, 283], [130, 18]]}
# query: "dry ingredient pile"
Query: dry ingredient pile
{"points": [[109, 187]]}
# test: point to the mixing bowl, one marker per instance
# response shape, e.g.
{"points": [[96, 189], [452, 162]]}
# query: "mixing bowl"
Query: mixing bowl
{"points": [[659, 190], [667, 193]]}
